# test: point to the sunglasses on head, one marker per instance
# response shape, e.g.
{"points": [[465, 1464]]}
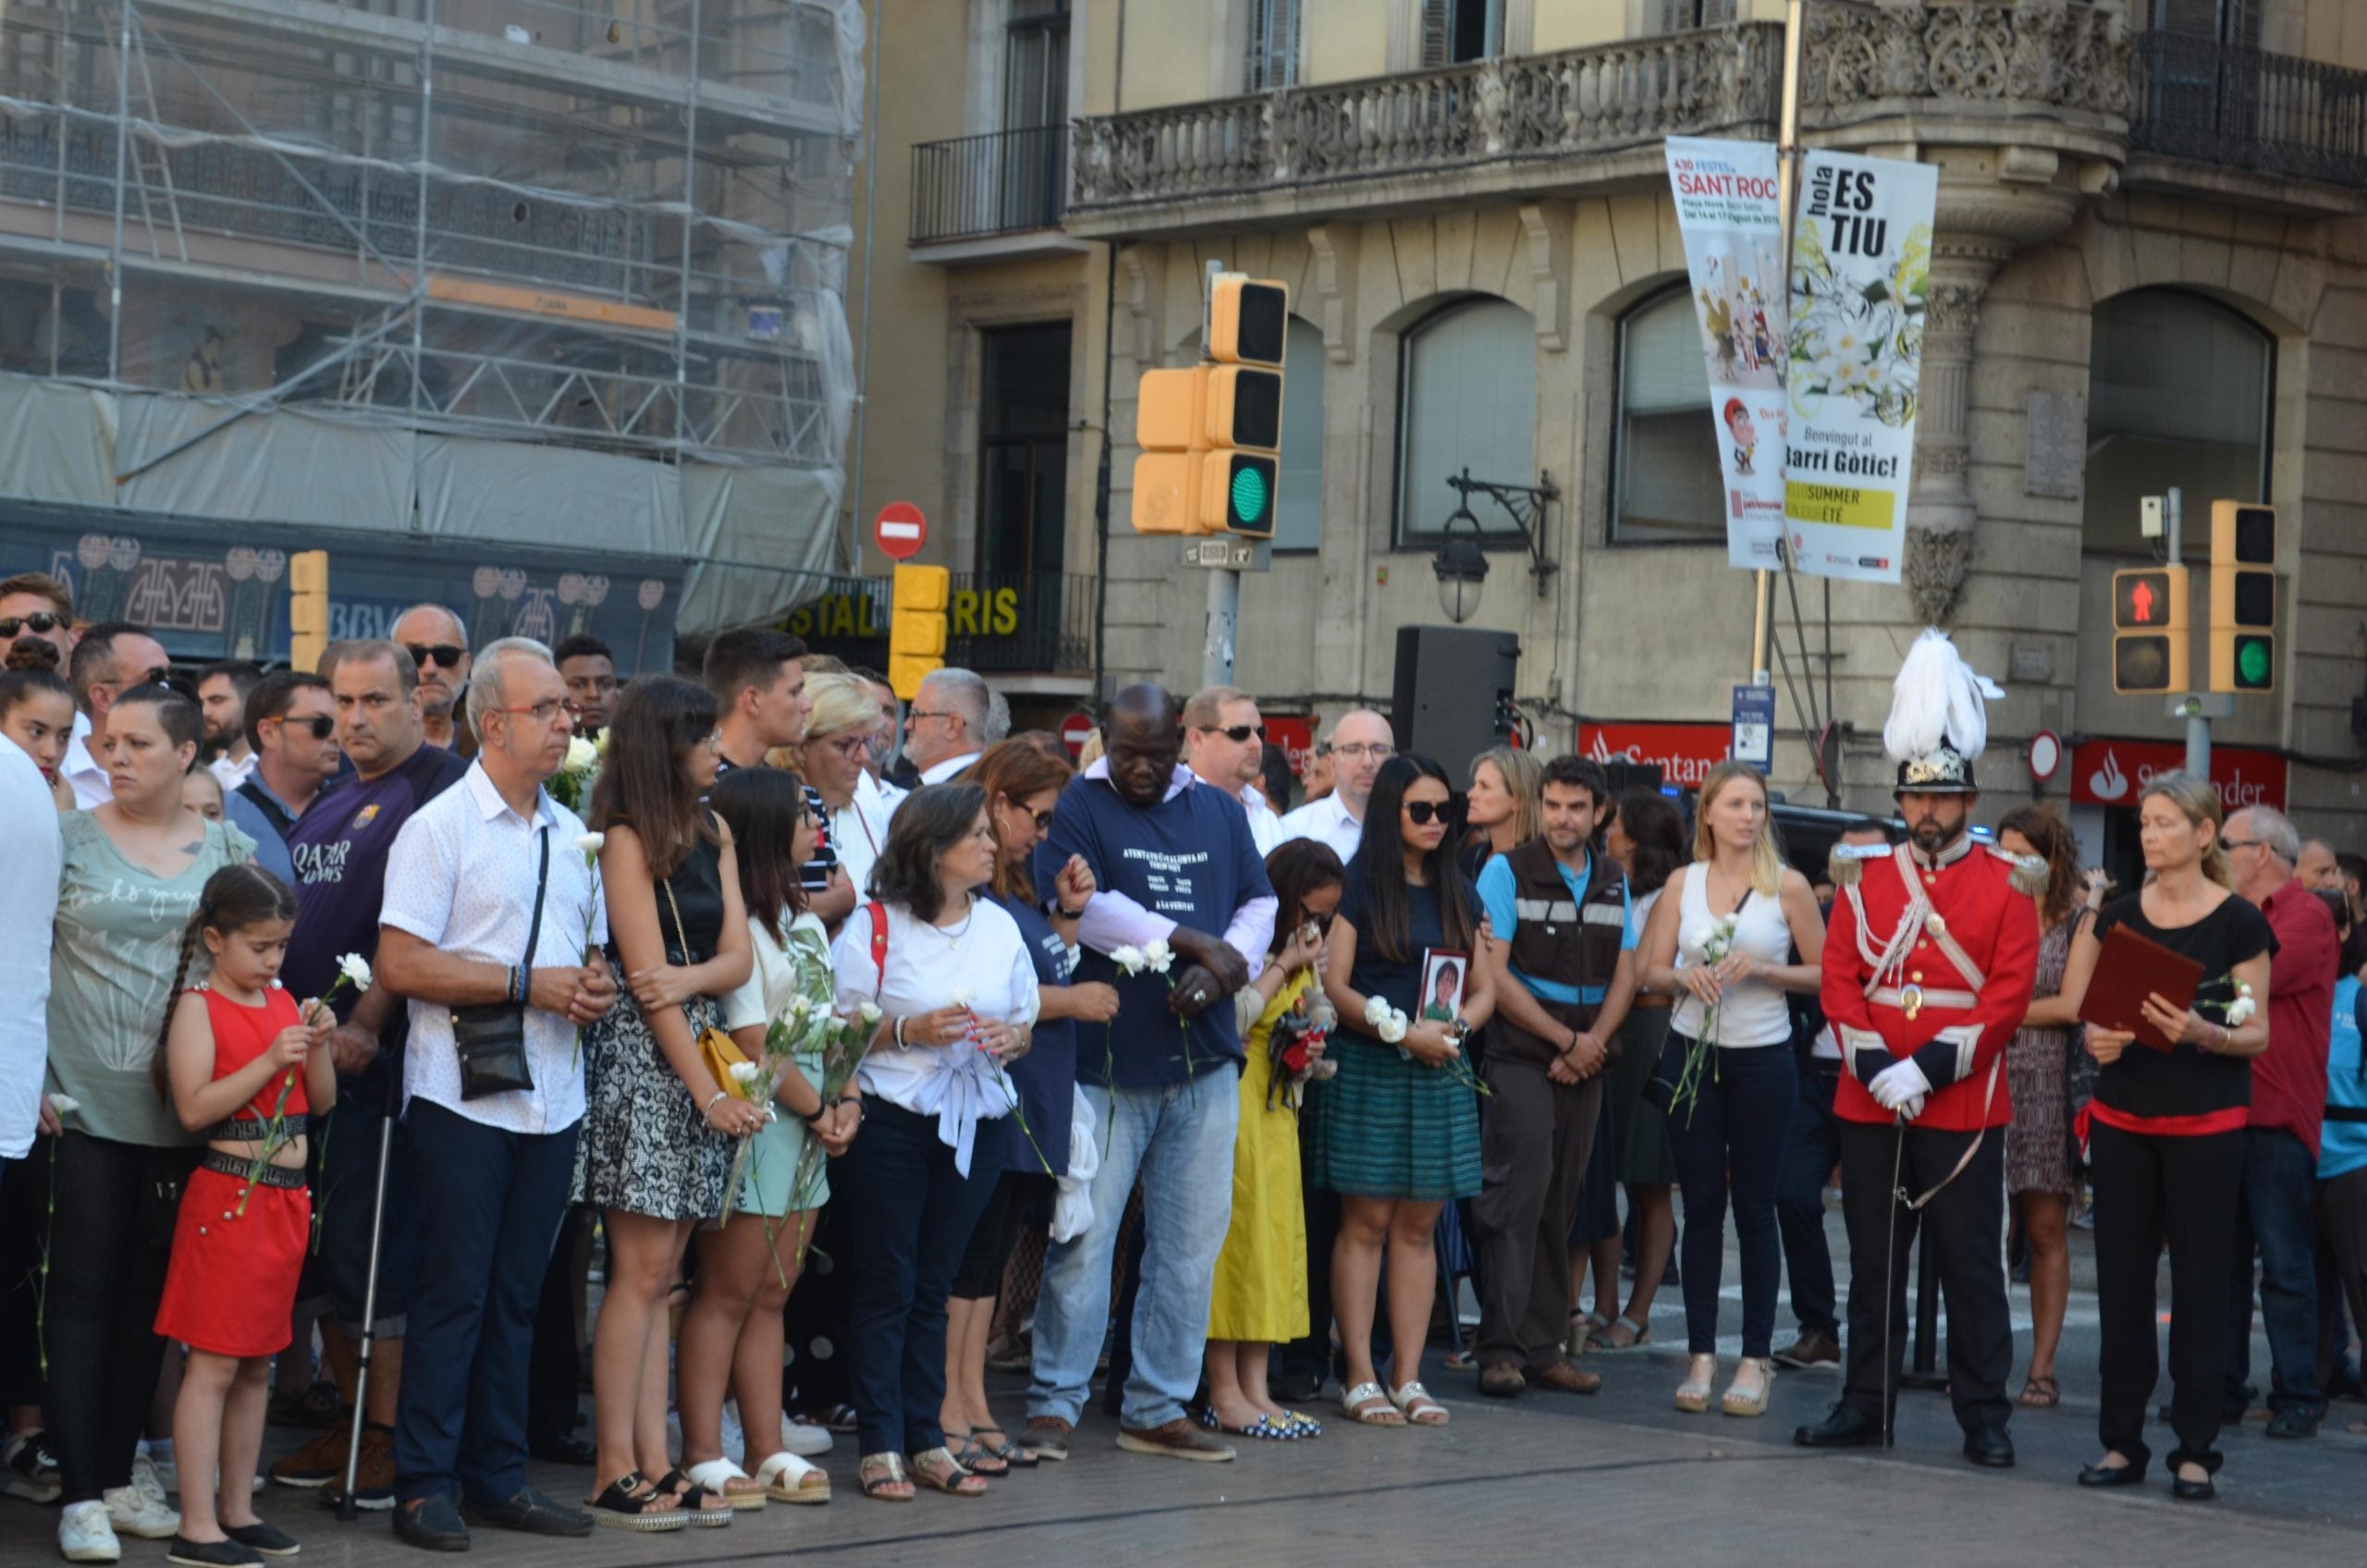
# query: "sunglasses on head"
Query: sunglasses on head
{"points": [[1422, 812], [445, 653], [1236, 733], [320, 725], [41, 623]]}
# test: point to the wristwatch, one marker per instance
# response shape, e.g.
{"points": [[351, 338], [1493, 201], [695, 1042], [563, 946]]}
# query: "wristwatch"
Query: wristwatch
{"points": [[1460, 1029], [1067, 914]]}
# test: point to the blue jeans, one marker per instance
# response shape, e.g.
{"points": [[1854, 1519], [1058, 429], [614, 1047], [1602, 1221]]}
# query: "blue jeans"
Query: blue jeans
{"points": [[489, 1204], [2276, 1218], [1179, 1141], [1729, 1144], [1811, 1151]]}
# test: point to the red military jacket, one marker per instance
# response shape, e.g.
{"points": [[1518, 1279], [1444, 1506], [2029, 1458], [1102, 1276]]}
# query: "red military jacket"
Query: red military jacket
{"points": [[1880, 940]]}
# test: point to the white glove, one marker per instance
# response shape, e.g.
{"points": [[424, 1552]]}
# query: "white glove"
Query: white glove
{"points": [[1900, 1082], [1911, 1109]]}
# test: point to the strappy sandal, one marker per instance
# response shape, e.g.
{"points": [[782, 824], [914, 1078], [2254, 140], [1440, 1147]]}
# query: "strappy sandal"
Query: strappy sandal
{"points": [[693, 1497], [717, 1476], [972, 1455], [1737, 1400], [1414, 1401], [937, 1470], [1602, 1344], [1693, 1394], [1584, 1327], [630, 1502], [877, 1474], [788, 1479], [2040, 1393], [998, 1443], [1367, 1403]]}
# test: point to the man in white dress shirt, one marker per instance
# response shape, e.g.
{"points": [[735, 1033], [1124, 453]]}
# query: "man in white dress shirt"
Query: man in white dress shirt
{"points": [[1361, 741], [1224, 742], [110, 659], [954, 717], [34, 848]]}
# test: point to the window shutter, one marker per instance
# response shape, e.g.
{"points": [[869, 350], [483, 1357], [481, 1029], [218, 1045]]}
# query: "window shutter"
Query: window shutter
{"points": [[1436, 33]]}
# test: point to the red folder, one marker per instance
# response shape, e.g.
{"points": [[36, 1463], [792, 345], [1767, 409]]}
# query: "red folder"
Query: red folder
{"points": [[2131, 968]]}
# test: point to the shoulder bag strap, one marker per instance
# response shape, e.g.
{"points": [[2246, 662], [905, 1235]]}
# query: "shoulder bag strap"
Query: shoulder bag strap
{"points": [[878, 913], [542, 886]]}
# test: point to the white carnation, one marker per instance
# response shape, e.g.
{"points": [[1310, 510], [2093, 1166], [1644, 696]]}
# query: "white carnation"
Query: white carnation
{"points": [[2239, 1011], [590, 843], [64, 1105], [1376, 1010], [582, 755], [868, 1012], [1697, 938], [744, 1074], [1128, 958], [356, 970], [1159, 955], [960, 997], [1393, 1028]]}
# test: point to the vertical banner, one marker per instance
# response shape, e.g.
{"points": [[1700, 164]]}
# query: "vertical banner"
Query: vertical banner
{"points": [[1734, 252], [1861, 258]]}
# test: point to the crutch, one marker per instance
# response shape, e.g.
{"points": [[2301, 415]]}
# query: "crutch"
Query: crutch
{"points": [[346, 1507]]}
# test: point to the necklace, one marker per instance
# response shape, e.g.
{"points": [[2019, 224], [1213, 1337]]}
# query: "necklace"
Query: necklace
{"points": [[954, 935]]}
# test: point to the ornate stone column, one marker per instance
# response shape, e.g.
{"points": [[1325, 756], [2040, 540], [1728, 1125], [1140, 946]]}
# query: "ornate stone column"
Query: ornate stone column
{"points": [[1940, 511]]}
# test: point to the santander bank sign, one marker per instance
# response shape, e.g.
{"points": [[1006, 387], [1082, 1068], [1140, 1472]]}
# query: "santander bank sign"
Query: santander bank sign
{"points": [[2112, 773], [1685, 752]]}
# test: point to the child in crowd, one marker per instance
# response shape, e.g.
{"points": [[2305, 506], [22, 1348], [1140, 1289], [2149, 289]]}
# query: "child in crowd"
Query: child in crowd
{"points": [[202, 792], [242, 1067], [37, 713]]}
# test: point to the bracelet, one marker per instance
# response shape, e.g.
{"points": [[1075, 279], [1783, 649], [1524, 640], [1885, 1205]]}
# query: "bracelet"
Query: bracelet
{"points": [[900, 1035], [720, 1093], [1067, 914], [820, 1111]]}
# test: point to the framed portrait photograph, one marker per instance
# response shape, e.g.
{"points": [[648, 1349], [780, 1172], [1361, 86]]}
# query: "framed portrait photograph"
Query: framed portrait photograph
{"points": [[1444, 973]]}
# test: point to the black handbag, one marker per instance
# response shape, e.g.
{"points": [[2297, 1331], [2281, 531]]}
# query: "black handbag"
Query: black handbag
{"points": [[491, 1037]]}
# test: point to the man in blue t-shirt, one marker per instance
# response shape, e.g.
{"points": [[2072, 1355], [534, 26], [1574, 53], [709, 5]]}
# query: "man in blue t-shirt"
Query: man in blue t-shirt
{"points": [[339, 848], [1172, 862]]}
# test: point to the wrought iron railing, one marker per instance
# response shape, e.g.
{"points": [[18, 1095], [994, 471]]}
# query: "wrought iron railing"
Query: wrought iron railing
{"points": [[1036, 621], [2192, 98], [1008, 182]]}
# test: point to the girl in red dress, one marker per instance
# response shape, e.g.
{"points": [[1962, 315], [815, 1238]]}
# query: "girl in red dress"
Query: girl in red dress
{"points": [[240, 1067]]}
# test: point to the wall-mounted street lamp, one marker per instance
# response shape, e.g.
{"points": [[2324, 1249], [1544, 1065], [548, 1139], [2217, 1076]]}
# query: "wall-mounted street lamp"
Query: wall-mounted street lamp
{"points": [[1461, 565]]}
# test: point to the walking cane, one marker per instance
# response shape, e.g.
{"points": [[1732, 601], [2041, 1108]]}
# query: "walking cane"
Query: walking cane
{"points": [[1890, 1269], [346, 1507]]}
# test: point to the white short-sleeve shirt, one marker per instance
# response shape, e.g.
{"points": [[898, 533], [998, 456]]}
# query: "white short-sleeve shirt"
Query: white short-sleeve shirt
{"points": [[1327, 822], [35, 857], [460, 875]]}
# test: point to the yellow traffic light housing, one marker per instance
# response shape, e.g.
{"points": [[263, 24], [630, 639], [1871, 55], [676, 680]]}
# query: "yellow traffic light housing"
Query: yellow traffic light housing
{"points": [[2148, 630], [1171, 429], [308, 608], [917, 627], [1248, 321], [2243, 597], [1211, 436]]}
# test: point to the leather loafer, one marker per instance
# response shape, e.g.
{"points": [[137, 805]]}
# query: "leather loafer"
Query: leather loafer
{"points": [[2113, 1476], [1847, 1426], [432, 1524], [2193, 1491], [531, 1513], [2294, 1421], [1987, 1445]]}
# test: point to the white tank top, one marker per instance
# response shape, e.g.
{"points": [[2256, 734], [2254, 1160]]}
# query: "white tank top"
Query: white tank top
{"points": [[1753, 1013]]}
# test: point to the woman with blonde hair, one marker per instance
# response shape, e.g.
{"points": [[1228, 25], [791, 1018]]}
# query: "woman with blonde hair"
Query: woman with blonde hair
{"points": [[1722, 941], [1505, 806], [2166, 1135], [839, 723]]}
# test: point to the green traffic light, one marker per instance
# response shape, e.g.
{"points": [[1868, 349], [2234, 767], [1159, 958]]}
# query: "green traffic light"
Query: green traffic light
{"points": [[1248, 494], [2251, 662]]}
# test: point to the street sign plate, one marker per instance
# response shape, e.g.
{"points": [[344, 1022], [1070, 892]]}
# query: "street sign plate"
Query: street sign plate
{"points": [[900, 530], [1229, 554], [1754, 724]]}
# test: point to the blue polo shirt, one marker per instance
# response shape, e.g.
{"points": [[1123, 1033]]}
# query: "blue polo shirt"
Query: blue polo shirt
{"points": [[1498, 892], [2342, 1148]]}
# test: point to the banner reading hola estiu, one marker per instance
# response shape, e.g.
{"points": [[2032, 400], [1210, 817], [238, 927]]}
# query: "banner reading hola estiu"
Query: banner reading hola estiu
{"points": [[1861, 260]]}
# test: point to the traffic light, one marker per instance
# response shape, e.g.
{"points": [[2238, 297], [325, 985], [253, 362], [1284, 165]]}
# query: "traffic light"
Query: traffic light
{"points": [[308, 609], [917, 627], [1173, 432], [2148, 630], [2243, 597], [1211, 436]]}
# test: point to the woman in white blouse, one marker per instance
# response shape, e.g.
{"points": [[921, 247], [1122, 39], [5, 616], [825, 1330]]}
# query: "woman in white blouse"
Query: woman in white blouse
{"points": [[956, 990]]}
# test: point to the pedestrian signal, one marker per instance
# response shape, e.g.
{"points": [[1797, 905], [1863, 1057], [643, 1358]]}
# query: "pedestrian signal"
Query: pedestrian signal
{"points": [[2149, 630]]}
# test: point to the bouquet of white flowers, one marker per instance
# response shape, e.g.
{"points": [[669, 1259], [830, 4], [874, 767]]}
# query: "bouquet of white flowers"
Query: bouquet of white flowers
{"points": [[1708, 943], [1393, 1027], [572, 785]]}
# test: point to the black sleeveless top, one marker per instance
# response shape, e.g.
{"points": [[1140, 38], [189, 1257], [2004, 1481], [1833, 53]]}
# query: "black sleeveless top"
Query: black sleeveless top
{"points": [[697, 894]]}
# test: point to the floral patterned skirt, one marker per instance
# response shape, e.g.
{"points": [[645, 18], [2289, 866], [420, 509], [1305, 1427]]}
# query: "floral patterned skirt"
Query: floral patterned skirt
{"points": [[644, 1148]]}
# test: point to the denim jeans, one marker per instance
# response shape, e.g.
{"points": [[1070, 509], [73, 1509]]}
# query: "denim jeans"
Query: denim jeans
{"points": [[1811, 1149], [1179, 1141], [1729, 1147], [2276, 1218]]}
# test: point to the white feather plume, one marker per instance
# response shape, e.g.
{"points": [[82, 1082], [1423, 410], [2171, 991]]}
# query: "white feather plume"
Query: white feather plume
{"points": [[1936, 697]]}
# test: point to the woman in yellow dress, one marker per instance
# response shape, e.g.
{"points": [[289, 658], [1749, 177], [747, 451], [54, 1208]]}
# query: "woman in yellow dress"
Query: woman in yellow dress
{"points": [[1259, 1298]]}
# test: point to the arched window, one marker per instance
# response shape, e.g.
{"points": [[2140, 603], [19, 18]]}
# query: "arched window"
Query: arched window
{"points": [[2178, 393], [1467, 398], [1666, 485], [1299, 510]]}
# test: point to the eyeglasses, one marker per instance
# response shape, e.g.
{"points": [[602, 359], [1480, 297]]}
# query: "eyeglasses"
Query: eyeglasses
{"points": [[1379, 751], [155, 676], [2248, 844], [320, 724], [849, 745], [543, 711], [1042, 819], [446, 653], [916, 714], [41, 623], [1421, 813], [1236, 733]]}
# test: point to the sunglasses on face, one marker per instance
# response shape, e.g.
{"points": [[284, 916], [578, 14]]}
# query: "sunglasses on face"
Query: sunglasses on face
{"points": [[1042, 819], [446, 653], [1236, 733], [1421, 813], [41, 623], [320, 724], [160, 675]]}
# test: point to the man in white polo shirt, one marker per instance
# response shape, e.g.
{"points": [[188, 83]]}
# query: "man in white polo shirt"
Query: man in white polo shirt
{"points": [[1360, 744]]}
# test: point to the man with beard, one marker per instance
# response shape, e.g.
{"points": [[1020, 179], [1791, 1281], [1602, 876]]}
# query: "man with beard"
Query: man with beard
{"points": [[1928, 965], [438, 646]]}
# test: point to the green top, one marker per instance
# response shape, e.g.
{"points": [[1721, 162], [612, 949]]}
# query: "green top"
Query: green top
{"points": [[118, 942]]}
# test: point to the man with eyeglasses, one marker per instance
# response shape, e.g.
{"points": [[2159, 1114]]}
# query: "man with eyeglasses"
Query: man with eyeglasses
{"points": [[291, 728], [438, 645], [1224, 744], [954, 717], [109, 659], [33, 604], [1360, 744], [2275, 1211], [339, 848]]}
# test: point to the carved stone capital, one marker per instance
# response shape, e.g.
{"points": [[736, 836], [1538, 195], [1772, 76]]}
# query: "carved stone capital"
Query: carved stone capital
{"points": [[1934, 570], [1546, 226], [1334, 247]]}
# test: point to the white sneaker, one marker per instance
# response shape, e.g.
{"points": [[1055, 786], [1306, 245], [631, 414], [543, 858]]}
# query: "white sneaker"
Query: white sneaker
{"points": [[85, 1536], [134, 1511], [27, 1469], [803, 1439], [154, 1478]]}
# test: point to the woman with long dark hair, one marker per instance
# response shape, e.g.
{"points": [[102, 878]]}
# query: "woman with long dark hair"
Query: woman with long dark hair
{"points": [[2039, 1173], [659, 1130], [1400, 1124], [2165, 1140]]}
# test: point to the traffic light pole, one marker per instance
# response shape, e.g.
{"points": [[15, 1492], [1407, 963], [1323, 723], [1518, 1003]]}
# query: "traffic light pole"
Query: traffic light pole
{"points": [[1225, 584], [2190, 706]]}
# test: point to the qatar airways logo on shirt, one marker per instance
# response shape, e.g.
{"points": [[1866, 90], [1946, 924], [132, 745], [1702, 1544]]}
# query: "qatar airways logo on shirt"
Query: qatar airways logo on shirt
{"points": [[319, 863]]}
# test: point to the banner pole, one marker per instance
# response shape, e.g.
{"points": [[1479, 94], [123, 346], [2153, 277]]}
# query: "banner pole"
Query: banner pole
{"points": [[1787, 178]]}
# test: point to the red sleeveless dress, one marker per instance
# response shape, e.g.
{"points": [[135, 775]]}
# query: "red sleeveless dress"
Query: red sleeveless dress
{"points": [[232, 1281]]}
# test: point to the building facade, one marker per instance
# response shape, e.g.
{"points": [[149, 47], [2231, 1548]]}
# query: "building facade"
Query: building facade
{"points": [[2149, 269]]}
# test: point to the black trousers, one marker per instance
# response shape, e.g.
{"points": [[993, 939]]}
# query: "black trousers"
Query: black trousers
{"points": [[1533, 1152], [110, 1239], [1965, 1226], [554, 1371], [24, 1202], [2149, 1189]]}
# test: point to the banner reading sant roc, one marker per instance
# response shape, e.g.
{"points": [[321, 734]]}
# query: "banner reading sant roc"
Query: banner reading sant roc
{"points": [[1860, 257], [1734, 252]]}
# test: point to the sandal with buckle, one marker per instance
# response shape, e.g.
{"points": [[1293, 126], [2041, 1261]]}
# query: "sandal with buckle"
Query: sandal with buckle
{"points": [[630, 1502], [2040, 1394], [1693, 1394], [1367, 1403], [693, 1498], [1738, 1400], [936, 1469], [1603, 1341], [973, 1456], [997, 1444], [876, 1475], [1414, 1401]]}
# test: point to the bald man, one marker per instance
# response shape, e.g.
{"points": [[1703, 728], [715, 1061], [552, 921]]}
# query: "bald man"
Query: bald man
{"points": [[1360, 742], [438, 644]]}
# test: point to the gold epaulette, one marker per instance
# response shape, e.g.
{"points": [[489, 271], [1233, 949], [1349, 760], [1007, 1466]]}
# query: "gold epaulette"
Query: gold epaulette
{"points": [[2029, 872], [1846, 863]]}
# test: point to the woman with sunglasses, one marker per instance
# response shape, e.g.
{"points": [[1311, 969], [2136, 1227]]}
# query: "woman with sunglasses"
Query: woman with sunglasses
{"points": [[1399, 1127], [1021, 783], [842, 722]]}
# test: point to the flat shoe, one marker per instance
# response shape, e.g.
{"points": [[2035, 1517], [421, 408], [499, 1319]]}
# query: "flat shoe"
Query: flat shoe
{"points": [[2113, 1476], [1367, 1403]]}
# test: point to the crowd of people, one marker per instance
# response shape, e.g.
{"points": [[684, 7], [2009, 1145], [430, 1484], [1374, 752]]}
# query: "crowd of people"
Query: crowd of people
{"points": [[356, 1022]]}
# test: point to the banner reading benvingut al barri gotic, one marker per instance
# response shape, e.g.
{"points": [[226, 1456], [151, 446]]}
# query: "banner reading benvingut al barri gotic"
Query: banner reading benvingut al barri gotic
{"points": [[1734, 251], [1861, 258]]}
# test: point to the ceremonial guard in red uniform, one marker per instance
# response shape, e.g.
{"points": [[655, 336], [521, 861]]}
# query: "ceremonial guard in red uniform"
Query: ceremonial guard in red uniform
{"points": [[1929, 963]]}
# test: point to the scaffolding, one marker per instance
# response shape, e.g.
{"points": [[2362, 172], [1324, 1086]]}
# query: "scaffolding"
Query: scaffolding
{"points": [[583, 231]]}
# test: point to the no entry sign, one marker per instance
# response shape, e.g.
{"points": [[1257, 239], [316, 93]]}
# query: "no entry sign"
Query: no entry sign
{"points": [[1073, 730], [900, 530]]}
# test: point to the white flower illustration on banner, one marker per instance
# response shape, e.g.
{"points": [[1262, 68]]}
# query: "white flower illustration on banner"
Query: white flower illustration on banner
{"points": [[1857, 336]]}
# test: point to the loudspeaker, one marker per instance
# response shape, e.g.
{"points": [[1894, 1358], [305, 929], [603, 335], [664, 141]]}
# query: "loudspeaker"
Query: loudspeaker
{"points": [[1453, 694]]}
